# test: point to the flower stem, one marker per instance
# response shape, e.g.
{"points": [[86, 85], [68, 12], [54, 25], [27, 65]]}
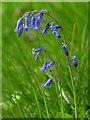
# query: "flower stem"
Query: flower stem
{"points": [[60, 89], [74, 92]]}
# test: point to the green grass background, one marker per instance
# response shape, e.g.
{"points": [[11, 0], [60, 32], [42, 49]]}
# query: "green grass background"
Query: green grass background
{"points": [[23, 95]]}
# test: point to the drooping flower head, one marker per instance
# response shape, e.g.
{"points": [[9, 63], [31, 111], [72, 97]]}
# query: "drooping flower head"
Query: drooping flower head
{"points": [[37, 24], [46, 28], [55, 27], [27, 21], [56, 34], [47, 84], [38, 51], [74, 61], [19, 27], [19, 24], [32, 22], [49, 65], [64, 48], [40, 17], [44, 67]]}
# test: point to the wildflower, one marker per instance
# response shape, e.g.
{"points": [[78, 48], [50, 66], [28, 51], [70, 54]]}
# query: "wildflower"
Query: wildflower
{"points": [[40, 17], [20, 31], [56, 34], [74, 61], [32, 22], [37, 24], [47, 84], [19, 24], [27, 21], [46, 28], [37, 56], [44, 67], [50, 64], [37, 50], [65, 49], [54, 28]]}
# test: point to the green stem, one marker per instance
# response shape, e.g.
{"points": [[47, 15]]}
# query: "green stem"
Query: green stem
{"points": [[45, 105], [36, 101], [74, 92], [62, 109]]}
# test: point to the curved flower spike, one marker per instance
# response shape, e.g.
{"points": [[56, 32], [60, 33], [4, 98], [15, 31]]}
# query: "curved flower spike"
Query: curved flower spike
{"points": [[46, 28], [56, 34], [19, 23], [74, 61], [44, 67], [47, 84], [37, 24], [64, 48], [27, 21]]}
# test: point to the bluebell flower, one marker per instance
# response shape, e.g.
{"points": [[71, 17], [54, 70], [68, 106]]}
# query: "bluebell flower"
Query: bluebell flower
{"points": [[47, 84], [37, 56], [37, 24], [74, 61], [46, 28], [54, 28], [20, 31], [65, 49], [37, 50], [40, 17], [50, 64], [44, 67], [32, 22], [56, 34], [27, 21], [19, 23]]}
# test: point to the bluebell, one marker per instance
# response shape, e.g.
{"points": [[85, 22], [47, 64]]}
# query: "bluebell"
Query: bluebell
{"points": [[54, 28], [65, 49], [27, 21], [37, 56], [37, 24], [32, 22], [47, 84], [74, 61], [46, 28], [56, 34], [44, 67], [49, 65], [19, 24], [40, 17], [37, 50]]}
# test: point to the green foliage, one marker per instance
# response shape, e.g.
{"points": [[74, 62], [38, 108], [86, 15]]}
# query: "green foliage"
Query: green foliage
{"points": [[22, 84]]}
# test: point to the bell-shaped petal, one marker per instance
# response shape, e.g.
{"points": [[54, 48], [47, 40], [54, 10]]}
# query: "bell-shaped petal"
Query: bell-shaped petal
{"points": [[47, 84], [56, 34], [74, 61], [46, 28], [65, 49]]}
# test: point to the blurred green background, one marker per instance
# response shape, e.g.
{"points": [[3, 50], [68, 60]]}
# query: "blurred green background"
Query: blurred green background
{"points": [[22, 83]]}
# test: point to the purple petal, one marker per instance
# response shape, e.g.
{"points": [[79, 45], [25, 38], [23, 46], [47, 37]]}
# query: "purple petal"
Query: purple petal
{"points": [[46, 28], [47, 84]]}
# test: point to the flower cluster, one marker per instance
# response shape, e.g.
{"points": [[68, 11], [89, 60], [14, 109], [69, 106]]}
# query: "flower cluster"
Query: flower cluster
{"points": [[32, 20]]}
